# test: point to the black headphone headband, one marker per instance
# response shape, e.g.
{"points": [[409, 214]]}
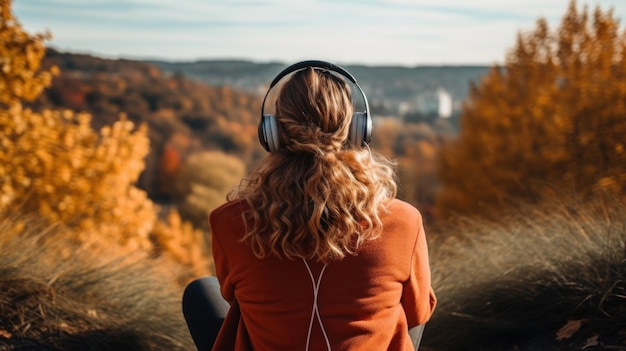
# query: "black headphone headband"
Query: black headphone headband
{"points": [[360, 125], [315, 64]]}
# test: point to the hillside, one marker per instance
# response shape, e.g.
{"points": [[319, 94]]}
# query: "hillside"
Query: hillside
{"points": [[387, 86], [187, 115], [183, 116]]}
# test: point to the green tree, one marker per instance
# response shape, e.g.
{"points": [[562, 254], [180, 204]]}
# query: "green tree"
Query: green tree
{"points": [[553, 117]]}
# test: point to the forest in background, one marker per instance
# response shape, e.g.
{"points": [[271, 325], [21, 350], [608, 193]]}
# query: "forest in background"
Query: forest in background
{"points": [[386, 87], [527, 250], [190, 121]]}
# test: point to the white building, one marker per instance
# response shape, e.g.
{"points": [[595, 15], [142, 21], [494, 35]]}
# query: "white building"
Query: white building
{"points": [[438, 102], [445, 103]]}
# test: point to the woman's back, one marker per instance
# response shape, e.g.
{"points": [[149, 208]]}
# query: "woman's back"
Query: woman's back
{"points": [[313, 251], [365, 301]]}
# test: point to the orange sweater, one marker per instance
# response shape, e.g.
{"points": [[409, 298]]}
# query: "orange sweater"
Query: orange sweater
{"points": [[364, 302]]}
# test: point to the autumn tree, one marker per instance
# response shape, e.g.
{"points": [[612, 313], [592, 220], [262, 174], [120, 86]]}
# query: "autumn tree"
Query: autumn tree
{"points": [[20, 61], [553, 117], [53, 163], [55, 166]]}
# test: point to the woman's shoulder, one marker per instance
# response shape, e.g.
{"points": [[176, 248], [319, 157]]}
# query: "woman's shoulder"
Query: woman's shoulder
{"points": [[403, 219], [401, 209], [231, 210]]}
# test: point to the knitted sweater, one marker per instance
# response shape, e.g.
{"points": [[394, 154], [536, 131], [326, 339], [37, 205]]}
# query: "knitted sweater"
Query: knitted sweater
{"points": [[366, 301]]}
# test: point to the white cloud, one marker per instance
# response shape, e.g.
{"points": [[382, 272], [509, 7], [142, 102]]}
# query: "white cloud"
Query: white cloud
{"points": [[352, 31]]}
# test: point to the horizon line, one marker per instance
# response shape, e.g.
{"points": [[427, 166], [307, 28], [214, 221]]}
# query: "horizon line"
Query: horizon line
{"points": [[258, 61]]}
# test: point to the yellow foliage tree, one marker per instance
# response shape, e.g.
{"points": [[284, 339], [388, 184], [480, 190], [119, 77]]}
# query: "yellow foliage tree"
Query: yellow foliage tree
{"points": [[54, 164], [553, 117], [20, 60]]}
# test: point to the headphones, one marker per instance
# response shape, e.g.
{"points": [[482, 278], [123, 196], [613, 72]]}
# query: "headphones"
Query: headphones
{"points": [[360, 132]]}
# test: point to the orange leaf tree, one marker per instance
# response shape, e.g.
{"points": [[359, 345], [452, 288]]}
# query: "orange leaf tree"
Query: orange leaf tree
{"points": [[553, 117]]}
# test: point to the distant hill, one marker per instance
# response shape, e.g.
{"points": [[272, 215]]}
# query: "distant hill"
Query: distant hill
{"points": [[214, 105], [184, 116], [387, 86]]}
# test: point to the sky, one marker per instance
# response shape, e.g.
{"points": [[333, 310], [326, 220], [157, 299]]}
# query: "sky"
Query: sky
{"points": [[368, 32]]}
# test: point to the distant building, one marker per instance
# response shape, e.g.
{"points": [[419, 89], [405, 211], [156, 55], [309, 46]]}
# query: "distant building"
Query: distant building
{"points": [[437, 103], [445, 103]]}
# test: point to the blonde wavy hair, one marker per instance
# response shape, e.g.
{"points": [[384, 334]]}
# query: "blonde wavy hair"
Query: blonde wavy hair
{"points": [[317, 197]]}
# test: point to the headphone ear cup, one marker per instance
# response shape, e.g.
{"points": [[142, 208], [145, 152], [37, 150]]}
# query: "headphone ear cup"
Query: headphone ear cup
{"points": [[268, 133], [360, 129], [261, 134]]}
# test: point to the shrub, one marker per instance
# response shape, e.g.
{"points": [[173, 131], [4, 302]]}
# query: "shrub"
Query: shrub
{"points": [[528, 274], [50, 301], [204, 180]]}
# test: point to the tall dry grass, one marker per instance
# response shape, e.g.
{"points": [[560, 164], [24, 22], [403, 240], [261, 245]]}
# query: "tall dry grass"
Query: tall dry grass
{"points": [[54, 295], [515, 282]]}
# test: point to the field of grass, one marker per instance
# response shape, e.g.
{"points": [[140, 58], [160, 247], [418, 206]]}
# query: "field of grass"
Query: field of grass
{"points": [[547, 277], [56, 296]]}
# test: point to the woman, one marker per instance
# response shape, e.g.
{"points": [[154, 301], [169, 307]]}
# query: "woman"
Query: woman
{"points": [[312, 250]]}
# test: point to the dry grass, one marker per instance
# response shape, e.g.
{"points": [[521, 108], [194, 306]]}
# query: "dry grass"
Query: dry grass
{"points": [[50, 300], [512, 284], [505, 285]]}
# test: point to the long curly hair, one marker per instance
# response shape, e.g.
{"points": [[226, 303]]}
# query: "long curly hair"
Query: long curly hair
{"points": [[317, 197]]}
